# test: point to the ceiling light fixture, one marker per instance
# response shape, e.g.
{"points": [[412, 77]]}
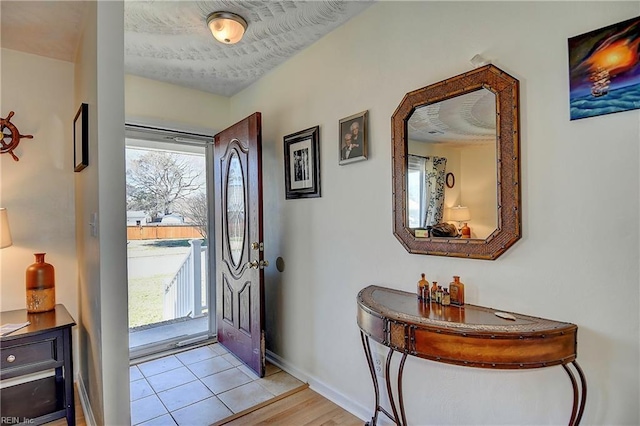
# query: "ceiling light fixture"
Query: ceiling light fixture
{"points": [[227, 27]]}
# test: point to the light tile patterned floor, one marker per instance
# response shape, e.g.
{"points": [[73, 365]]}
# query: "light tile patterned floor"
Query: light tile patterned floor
{"points": [[199, 387]]}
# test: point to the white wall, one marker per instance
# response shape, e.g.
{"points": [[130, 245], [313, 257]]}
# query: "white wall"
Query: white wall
{"points": [[100, 189], [86, 202], [112, 212], [577, 260], [478, 179], [38, 190], [162, 104]]}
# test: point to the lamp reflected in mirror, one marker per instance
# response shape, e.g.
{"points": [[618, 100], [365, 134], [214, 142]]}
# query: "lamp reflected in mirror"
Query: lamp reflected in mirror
{"points": [[461, 215]]}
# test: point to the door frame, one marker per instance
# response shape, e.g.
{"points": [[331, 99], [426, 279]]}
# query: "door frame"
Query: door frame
{"points": [[156, 137]]}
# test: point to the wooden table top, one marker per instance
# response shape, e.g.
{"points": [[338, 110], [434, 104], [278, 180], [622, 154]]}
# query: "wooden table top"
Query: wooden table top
{"points": [[466, 335], [57, 318], [404, 306]]}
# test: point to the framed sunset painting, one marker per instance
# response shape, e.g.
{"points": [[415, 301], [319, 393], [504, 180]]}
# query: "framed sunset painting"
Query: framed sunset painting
{"points": [[604, 70]]}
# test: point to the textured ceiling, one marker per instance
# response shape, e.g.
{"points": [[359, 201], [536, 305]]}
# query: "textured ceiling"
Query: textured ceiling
{"points": [[44, 28], [467, 119], [169, 40]]}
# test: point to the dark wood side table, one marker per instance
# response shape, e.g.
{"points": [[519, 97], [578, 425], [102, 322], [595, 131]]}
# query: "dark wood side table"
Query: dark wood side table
{"points": [[470, 336], [43, 345]]}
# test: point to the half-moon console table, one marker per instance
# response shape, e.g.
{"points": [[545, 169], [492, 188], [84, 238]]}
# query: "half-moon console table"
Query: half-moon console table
{"points": [[470, 336]]}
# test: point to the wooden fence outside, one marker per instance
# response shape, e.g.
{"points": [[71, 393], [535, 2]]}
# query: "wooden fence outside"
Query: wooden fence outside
{"points": [[162, 232]]}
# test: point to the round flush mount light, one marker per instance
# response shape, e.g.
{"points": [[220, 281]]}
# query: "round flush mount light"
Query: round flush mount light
{"points": [[226, 27]]}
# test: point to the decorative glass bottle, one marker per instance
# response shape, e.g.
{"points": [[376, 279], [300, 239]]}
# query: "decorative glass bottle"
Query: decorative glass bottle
{"points": [[40, 281], [439, 294], [465, 231], [423, 289], [457, 291], [434, 289], [446, 297]]}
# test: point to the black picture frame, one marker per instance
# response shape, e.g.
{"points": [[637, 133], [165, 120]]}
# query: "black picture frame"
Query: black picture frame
{"points": [[348, 151], [302, 164], [81, 138]]}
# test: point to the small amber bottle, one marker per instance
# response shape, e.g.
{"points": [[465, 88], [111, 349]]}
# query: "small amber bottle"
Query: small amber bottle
{"points": [[433, 291], [40, 282], [457, 291], [423, 288]]}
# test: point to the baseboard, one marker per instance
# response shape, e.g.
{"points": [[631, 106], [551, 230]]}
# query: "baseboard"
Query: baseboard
{"points": [[363, 413], [286, 366], [84, 402]]}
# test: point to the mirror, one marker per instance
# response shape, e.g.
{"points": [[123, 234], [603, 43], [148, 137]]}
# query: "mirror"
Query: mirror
{"points": [[456, 166], [454, 137]]}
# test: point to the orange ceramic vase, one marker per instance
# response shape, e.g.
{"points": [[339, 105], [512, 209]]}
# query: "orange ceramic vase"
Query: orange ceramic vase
{"points": [[41, 282]]}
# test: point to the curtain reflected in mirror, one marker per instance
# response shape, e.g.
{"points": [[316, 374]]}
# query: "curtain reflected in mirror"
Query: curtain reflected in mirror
{"points": [[426, 190]]}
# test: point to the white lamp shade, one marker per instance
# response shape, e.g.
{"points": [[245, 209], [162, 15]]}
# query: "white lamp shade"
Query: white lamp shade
{"points": [[5, 233], [226, 27], [459, 214]]}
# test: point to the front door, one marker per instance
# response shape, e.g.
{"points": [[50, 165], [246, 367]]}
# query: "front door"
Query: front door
{"points": [[238, 234]]}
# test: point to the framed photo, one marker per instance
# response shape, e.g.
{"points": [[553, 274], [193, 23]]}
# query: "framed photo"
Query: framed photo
{"points": [[352, 144], [81, 138], [604, 70], [302, 164]]}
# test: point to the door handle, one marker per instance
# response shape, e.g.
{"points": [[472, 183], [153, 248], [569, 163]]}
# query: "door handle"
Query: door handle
{"points": [[264, 264], [253, 265]]}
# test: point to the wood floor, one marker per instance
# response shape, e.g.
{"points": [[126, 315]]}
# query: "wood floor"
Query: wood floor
{"points": [[301, 408], [305, 407], [79, 414]]}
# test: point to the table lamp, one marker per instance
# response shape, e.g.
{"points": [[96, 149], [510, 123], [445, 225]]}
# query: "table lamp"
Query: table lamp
{"points": [[5, 233], [461, 215]]}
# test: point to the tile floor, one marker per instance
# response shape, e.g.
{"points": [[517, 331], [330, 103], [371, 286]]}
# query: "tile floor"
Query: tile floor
{"points": [[199, 387]]}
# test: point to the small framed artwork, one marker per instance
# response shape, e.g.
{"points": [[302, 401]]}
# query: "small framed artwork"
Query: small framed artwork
{"points": [[81, 138], [604, 70], [352, 144], [302, 164]]}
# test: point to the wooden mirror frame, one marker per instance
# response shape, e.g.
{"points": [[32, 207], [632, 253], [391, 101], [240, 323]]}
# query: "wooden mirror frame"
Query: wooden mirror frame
{"points": [[509, 226]]}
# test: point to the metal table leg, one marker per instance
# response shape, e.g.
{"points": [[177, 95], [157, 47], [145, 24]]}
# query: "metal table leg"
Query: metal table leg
{"points": [[389, 391], [400, 398], [378, 408], [367, 353], [579, 393]]}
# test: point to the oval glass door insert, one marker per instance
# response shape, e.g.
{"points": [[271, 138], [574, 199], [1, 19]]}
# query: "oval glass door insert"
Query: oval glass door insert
{"points": [[235, 209]]}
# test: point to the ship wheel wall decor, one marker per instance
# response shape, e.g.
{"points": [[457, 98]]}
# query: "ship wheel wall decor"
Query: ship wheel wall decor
{"points": [[14, 136]]}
